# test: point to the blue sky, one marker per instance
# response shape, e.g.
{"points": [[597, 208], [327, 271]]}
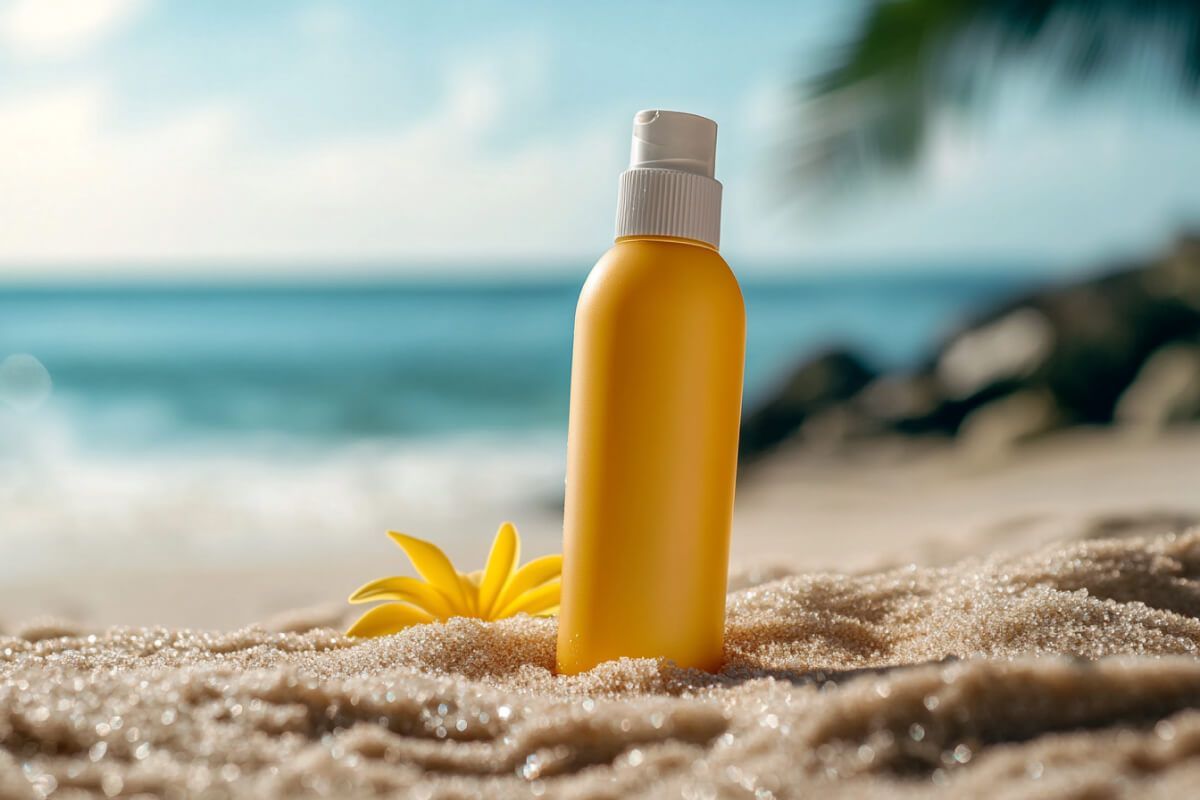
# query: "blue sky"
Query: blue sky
{"points": [[233, 137]]}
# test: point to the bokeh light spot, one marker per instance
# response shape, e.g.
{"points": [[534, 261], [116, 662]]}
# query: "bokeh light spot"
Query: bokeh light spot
{"points": [[24, 382]]}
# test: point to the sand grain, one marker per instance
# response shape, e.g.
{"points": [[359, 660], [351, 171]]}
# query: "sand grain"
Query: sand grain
{"points": [[1071, 671]]}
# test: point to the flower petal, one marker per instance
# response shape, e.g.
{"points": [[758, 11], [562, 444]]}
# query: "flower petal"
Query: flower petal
{"points": [[431, 564], [406, 590], [388, 618], [535, 600], [471, 591], [502, 561], [533, 574]]}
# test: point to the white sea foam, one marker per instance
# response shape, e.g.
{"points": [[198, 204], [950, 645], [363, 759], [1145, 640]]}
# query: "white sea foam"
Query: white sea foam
{"points": [[68, 507]]}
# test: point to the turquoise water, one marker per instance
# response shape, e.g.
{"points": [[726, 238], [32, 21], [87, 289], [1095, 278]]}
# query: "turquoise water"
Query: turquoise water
{"points": [[147, 366]]}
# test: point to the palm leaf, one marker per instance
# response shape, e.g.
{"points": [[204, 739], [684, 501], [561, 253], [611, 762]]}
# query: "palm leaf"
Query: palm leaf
{"points": [[909, 60]]}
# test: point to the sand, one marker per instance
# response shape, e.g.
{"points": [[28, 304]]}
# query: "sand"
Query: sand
{"points": [[1070, 671], [185, 552]]}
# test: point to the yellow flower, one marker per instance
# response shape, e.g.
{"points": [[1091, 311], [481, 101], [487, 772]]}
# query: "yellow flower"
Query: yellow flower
{"points": [[497, 591]]}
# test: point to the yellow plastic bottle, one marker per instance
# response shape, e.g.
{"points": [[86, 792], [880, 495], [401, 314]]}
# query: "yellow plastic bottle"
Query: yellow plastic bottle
{"points": [[656, 390]]}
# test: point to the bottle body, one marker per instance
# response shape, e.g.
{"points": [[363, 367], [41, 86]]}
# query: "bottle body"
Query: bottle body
{"points": [[656, 389]]}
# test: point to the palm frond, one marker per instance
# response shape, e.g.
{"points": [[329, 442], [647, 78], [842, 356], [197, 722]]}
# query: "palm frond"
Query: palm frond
{"points": [[908, 60]]}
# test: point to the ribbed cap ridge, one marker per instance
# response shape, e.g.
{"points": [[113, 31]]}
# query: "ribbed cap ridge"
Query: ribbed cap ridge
{"points": [[667, 202]]}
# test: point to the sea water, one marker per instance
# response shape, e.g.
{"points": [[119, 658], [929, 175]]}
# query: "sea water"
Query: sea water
{"points": [[176, 414], [152, 366]]}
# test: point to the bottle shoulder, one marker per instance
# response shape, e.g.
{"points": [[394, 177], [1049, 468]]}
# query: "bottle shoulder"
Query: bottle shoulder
{"points": [[664, 251], [654, 268]]}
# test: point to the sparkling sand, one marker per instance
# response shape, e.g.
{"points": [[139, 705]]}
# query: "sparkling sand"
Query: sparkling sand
{"points": [[1071, 671]]}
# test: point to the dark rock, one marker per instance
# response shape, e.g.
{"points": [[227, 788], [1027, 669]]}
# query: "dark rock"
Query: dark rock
{"points": [[1166, 390], [817, 384], [912, 405], [1060, 355], [991, 431], [893, 399], [1084, 343]]}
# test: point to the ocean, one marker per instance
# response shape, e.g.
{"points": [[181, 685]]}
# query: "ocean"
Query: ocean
{"points": [[172, 422], [153, 366]]}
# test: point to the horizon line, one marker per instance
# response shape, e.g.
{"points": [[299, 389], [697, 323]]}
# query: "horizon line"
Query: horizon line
{"points": [[226, 270]]}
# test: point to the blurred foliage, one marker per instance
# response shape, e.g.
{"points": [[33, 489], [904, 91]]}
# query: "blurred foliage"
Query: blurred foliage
{"points": [[908, 60]]}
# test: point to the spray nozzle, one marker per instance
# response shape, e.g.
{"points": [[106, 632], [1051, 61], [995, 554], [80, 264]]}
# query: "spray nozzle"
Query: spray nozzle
{"points": [[669, 188], [674, 140]]}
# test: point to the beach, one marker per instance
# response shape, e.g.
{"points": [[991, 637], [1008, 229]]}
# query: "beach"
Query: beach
{"points": [[905, 619], [316, 319], [307, 536], [212, 454], [185, 514]]}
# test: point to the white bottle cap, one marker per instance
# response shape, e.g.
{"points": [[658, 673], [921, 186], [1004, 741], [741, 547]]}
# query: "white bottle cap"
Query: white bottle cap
{"points": [[674, 140], [669, 189]]}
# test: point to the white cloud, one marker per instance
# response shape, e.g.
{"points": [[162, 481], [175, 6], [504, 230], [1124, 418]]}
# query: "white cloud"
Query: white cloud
{"points": [[59, 28], [325, 21], [195, 188], [1068, 189]]}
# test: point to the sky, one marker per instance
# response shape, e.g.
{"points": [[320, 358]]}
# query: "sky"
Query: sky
{"points": [[227, 138]]}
